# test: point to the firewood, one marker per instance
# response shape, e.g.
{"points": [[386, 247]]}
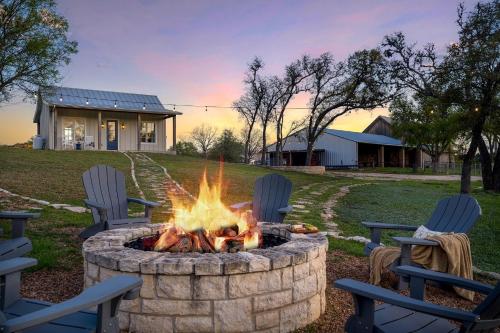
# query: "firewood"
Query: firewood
{"points": [[183, 245], [167, 239], [205, 243]]}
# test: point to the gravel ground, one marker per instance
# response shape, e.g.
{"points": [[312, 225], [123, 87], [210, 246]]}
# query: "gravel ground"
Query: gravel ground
{"points": [[339, 303], [58, 285]]}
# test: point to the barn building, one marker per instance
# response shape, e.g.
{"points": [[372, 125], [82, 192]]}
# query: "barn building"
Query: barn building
{"points": [[374, 147]]}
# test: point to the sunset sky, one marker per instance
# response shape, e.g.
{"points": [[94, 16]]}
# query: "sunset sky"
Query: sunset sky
{"points": [[196, 52]]}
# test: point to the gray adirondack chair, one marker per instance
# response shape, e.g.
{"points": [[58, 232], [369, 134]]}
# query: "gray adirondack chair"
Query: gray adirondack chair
{"points": [[270, 199], [400, 314], [457, 213], [72, 316], [108, 201], [17, 245]]}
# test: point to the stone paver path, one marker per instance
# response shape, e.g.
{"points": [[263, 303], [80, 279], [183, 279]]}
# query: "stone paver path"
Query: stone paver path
{"points": [[154, 181]]}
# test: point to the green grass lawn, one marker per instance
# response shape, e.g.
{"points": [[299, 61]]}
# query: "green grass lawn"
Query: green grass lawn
{"points": [[411, 202], [238, 178], [56, 176]]}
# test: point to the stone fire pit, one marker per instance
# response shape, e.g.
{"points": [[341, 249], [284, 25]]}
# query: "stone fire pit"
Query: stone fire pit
{"points": [[277, 289]]}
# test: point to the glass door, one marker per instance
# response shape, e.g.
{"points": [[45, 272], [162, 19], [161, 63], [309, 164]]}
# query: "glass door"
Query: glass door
{"points": [[112, 134]]}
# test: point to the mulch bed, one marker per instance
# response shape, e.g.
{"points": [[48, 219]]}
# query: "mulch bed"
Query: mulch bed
{"points": [[59, 285], [339, 303]]}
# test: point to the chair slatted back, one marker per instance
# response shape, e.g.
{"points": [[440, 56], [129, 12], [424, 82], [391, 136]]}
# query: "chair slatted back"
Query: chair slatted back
{"points": [[270, 194], [457, 213], [106, 186]]}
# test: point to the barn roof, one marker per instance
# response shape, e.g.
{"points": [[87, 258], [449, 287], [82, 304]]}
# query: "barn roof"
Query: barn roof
{"points": [[365, 137], [102, 100]]}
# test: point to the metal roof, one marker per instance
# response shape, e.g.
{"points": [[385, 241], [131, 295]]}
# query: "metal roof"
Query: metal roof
{"points": [[365, 137], [104, 100]]}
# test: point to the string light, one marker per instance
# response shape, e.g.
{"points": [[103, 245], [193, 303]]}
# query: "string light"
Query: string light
{"points": [[115, 104], [161, 104]]}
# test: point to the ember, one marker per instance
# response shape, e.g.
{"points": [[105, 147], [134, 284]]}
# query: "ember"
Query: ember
{"points": [[208, 225]]}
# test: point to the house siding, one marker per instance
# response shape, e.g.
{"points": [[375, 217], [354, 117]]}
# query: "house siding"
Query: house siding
{"points": [[46, 125], [127, 136]]}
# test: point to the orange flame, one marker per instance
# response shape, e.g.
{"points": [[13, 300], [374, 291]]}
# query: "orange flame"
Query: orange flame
{"points": [[210, 214]]}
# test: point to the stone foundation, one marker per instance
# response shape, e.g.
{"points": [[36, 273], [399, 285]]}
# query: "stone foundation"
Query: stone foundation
{"points": [[278, 289]]}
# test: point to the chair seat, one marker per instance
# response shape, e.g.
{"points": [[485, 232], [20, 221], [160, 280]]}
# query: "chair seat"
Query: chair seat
{"points": [[127, 223], [80, 322], [15, 247], [394, 319]]}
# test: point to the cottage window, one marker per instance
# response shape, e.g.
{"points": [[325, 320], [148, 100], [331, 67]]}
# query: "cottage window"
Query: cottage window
{"points": [[148, 133], [73, 131]]}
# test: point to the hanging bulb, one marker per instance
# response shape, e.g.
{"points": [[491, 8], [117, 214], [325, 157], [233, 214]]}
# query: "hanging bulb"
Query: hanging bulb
{"points": [[115, 104], [174, 107], [206, 108], [87, 101], [60, 98], [144, 106]]}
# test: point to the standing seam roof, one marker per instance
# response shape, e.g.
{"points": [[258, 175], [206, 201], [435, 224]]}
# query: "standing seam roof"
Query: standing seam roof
{"points": [[365, 137]]}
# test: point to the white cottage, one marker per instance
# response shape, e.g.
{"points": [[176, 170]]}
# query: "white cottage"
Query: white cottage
{"points": [[70, 118]]}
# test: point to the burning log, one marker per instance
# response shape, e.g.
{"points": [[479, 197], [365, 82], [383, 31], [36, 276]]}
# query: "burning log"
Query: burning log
{"points": [[184, 244], [205, 243]]}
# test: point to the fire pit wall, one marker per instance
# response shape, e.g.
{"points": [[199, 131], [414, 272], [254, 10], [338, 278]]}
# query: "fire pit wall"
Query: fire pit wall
{"points": [[277, 289]]}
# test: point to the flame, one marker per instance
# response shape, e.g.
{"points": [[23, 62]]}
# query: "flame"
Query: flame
{"points": [[208, 213]]}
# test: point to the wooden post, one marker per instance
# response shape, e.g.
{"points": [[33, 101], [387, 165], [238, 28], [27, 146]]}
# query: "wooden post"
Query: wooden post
{"points": [[404, 158], [99, 130], [381, 154], [138, 131], [174, 133], [55, 127]]}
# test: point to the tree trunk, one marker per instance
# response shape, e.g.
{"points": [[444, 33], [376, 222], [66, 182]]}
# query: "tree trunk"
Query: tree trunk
{"points": [[309, 153], [486, 170], [496, 173], [264, 143], [279, 145], [435, 162], [247, 145], [465, 186]]}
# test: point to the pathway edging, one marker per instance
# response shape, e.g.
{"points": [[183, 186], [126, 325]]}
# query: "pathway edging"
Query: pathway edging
{"points": [[71, 208]]}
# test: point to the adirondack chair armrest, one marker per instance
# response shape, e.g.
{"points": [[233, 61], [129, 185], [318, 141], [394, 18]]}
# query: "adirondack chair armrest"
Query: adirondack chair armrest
{"points": [[111, 290], [15, 265], [365, 292], [18, 215], [379, 225], [286, 210], [426, 274], [241, 205], [101, 209], [18, 221], [143, 202], [415, 241]]}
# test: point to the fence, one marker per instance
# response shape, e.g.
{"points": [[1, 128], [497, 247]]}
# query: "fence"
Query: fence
{"points": [[453, 168]]}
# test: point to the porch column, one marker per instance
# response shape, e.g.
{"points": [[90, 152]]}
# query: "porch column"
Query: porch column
{"points": [[381, 156], [402, 163], [99, 130], [138, 131], [174, 133], [55, 127]]}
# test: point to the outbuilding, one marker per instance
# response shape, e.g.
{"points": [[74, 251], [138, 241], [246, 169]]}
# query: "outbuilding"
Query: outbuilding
{"points": [[84, 119], [345, 149]]}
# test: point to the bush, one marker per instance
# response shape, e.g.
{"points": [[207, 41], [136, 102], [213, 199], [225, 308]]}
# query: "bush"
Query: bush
{"points": [[227, 147], [186, 148]]}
